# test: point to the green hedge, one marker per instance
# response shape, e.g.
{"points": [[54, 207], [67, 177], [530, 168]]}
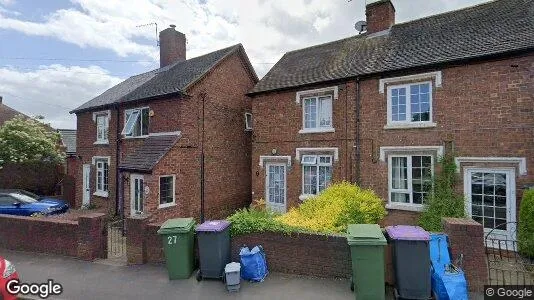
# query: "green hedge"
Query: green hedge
{"points": [[246, 221], [525, 231]]}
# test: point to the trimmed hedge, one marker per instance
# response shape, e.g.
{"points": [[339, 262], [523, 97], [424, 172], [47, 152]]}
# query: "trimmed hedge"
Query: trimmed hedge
{"points": [[525, 231]]}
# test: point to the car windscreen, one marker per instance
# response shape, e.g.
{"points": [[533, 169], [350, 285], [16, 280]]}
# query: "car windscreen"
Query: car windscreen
{"points": [[23, 198]]}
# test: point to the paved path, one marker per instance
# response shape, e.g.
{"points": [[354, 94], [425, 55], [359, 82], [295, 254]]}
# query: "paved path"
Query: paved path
{"points": [[86, 280]]}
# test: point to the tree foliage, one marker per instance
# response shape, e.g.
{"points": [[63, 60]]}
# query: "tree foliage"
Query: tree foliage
{"points": [[24, 139]]}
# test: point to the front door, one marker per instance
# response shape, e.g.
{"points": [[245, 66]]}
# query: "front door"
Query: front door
{"points": [[491, 200], [136, 194], [86, 184], [276, 187]]}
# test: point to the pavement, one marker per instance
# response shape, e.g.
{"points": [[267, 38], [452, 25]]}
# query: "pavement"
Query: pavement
{"points": [[90, 280]]}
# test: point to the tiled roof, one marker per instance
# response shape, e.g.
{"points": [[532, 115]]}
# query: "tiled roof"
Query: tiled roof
{"points": [[493, 28], [174, 78], [68, 137], [146, 157], [7, 113]]}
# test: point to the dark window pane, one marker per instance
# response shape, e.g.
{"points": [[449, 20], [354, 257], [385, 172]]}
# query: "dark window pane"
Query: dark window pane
{"points": [[400, 198], [488, 212], [476, 189], [478, 219], [476, 199], [416, 173], [417, 198], [416, 161], [166, 190], [476, 178], [145, 121], [488, 189], [500, 190], [488, 200], [417, 187], [500, 179], [500, 201], [489, 179], [477, 210], [427, 161], [489, 223], [500, 213], [500, 224]]}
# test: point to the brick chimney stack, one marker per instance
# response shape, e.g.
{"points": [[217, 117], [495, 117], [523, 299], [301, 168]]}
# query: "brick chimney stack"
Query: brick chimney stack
{"points": [[380, 16], [171, 46]]}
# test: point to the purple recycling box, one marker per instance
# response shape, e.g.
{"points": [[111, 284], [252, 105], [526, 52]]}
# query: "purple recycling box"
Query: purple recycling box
{"points": [[213, 226], [407, 233]]}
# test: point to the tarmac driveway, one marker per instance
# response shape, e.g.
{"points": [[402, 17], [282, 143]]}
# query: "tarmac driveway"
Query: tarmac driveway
{"points": [[86, 280]]}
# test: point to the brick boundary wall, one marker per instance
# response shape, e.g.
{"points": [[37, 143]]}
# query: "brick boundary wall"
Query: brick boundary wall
{"points": [[84, 238], [466, 237]]}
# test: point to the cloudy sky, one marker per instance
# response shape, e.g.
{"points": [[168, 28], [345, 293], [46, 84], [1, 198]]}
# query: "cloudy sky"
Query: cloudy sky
{"points": [[55, 55]]}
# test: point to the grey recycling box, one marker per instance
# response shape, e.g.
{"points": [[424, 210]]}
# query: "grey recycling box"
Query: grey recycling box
{"points": [[214, 248]]}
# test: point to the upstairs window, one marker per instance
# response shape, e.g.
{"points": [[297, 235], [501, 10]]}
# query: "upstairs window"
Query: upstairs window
{"points": [[102, 128], [136, 122], [410, 104], [317, 112], [316, 173]]}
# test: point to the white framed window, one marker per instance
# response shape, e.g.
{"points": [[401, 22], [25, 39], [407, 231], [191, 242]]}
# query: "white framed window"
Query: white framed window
{"points": [[317, 113], [410, 105], [102, 128], [316, 173], [248, 121], [136, 122], [410, 179], [167, 191], [102, 176]]}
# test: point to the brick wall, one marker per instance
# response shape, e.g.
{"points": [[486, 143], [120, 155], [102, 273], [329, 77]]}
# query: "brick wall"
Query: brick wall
{"points": [[38, 177], [467, 237], [84, 238]]}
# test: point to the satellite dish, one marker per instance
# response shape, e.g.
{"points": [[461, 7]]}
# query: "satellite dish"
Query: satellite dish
{"points": [[361, 26]]}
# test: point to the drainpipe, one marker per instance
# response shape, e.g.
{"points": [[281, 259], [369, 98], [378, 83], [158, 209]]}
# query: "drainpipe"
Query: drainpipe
{"points": [[119, 205], [357, 138], [203, 96]]}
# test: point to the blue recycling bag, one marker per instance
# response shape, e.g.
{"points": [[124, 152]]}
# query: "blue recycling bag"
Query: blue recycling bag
{"points": [[448, 281], [253, 264]]}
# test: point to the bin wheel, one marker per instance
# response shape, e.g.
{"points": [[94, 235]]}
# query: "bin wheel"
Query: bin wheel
{"points": [[199, 276], [351, 284]]}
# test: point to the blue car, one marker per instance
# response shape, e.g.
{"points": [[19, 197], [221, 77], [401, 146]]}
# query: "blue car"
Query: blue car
{"points": [[23, 203]]}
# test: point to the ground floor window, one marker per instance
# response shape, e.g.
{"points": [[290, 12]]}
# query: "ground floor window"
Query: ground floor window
{"points": [[166, 191], [410, 178], [137, 193], [316, 173], [102, 175]]}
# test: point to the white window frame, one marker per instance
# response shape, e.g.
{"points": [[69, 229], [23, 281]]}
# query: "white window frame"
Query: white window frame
{"points": [[248, 122], [405, 206], [133, 178], [104, 138], [318, 128], [140, 117], [173, 203], [101, 192], [316, 162], [408, 123]]}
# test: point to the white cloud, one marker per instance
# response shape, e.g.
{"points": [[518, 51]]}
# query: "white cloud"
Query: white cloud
{"points": [[54, 90]]}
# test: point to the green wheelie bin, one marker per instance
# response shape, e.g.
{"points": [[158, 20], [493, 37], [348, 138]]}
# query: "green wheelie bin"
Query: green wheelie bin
{"points": [[178, 242], [367, 243]]}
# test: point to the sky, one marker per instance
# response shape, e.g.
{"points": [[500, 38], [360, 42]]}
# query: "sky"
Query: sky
{"points": [[57, 54]]}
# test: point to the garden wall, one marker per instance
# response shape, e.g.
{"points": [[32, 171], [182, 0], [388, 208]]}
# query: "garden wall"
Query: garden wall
{"points": [[84, 238], [38, 177]]}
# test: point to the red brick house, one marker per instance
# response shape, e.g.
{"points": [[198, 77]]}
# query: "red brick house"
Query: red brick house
{"points": [[381, 107], [171, 142]]}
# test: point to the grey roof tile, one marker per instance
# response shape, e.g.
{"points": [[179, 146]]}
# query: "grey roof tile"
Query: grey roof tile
{"points": [[68, 137], [146, 157], [495, 27]]}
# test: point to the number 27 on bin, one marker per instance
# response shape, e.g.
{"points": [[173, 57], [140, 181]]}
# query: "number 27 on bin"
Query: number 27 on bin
{"points": [[171, 239]]}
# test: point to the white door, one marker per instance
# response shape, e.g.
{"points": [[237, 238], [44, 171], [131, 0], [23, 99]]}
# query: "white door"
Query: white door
{"points": [[275, 187], [86, 184], [136, 194], [491, 200]]}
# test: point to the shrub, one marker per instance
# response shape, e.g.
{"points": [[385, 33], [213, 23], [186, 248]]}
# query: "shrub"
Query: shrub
{"points": [[443, 201], [525, 230], [245, 221], [334, 208]]}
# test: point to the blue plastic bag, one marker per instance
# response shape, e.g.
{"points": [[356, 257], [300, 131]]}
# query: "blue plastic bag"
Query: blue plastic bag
{"points": [[448, 281], [253, 264]]}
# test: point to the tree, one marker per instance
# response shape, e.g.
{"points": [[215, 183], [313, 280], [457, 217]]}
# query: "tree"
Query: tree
{"points": [[23, 139]]}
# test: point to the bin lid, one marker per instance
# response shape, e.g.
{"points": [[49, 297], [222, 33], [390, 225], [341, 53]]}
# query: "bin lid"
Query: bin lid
{"points": [[232, 267], [213, 226], [178, 225], [407, 233], [365, 234]]}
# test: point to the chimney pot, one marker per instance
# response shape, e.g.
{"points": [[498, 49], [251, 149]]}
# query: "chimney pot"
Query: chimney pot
{"points": [[171, 46], [380, 16]]}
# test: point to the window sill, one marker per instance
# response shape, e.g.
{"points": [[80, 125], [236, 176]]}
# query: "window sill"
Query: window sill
{"points": [[134, 137], [317, 130], [305, 197], [101, 194], [406, 207], [101, 143], [410, 125], [167, 205]]}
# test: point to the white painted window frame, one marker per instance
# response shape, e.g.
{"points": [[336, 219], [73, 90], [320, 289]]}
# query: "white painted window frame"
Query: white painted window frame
{"points": [[407, 123], [248, 122], [264, 159], [520, 161], [102, 128], [140, 117], [301, 96], [405, 206], [318, 128], [303, 151], [101, 192], [173, 203], [317, 164], [133, 178], [283, 208]]}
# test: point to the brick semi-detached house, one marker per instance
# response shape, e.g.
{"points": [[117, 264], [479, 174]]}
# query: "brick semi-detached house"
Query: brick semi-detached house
{"points": [[151, 144], [381, 107]]}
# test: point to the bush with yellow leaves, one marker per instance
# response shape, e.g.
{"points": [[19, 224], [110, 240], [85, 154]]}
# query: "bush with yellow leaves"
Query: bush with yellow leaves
{"points": [[334, 208]]}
